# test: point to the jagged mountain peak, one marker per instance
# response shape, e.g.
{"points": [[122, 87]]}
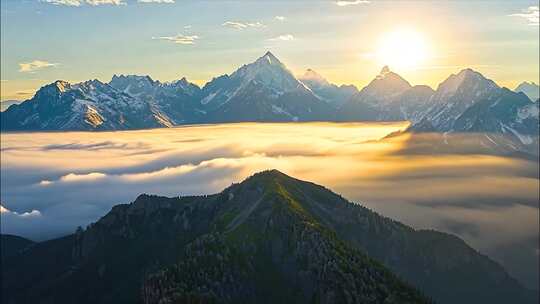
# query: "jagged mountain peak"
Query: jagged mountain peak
{"points": [[269, 58], [467, 77], [53, 89], [470, 74], [266, 76], [389, 75], [122, 81], [386, 85], [531, 89], [529, 83], [312, 74], [269, 71], [183, 82], [57, 86], [62, 85], [313, 78], [92, 82], [94, 85], [132, 77], [385, 70]]}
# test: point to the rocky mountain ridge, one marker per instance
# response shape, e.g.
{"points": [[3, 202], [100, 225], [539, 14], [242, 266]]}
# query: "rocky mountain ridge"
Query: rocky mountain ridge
{"points": [[267, 91]]}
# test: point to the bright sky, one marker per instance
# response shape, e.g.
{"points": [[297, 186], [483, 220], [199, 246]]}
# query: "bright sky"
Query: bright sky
{"points": [[345, 41]]}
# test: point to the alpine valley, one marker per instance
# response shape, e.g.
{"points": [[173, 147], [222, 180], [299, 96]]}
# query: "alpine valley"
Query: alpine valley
{"points": [[271, 238], [266, 91]]}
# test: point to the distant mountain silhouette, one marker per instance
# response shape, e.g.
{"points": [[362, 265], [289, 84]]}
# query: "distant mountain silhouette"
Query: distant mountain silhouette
{"points": [[329, 92], [531, 89], [7, 103]]}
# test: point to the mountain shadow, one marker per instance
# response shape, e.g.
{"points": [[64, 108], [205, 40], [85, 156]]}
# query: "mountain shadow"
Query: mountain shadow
{"points": [[270, 238]]}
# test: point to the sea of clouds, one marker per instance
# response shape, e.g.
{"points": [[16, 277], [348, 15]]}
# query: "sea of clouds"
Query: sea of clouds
{"points": [[53, 182]]}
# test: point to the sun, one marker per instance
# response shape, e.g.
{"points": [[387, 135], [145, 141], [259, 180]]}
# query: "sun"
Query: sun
{"points": [[402, 49]]}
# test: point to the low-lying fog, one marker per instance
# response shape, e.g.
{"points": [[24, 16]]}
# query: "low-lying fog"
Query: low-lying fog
{"points": [[53, 182]]}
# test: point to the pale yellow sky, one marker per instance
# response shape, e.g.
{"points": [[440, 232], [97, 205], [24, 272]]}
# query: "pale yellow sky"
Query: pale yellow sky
{"points": [[497, 38]]}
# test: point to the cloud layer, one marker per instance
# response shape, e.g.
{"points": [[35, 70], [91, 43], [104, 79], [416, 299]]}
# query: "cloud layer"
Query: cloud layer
{"points": [[54, 182]]}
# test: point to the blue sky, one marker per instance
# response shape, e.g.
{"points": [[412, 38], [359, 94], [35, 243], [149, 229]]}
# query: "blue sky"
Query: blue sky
{"points": [[42, 41]]}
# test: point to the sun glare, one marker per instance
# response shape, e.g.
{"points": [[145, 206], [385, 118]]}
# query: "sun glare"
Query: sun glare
{"points": [[402, 49]]}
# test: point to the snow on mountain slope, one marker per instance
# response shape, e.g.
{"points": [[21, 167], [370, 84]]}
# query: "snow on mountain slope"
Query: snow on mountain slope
{"points": [[454, 95], [531, 89], [177, 101], [266, 90], [329, 92], [387, 97], [84, 106], [267, 71], [256, 90]]}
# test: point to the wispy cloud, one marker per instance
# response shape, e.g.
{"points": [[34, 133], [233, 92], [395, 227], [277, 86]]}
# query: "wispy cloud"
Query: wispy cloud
{"points": [[531, 14], [242, 25], [350, 2], [155, 1], [101, 2], [179, 39], [89, 2], [36, 65], [287, 37], [64, 2], [280, 18]]}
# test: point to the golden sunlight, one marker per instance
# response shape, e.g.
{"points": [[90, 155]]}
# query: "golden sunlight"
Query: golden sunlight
{"points": [[402, 49]]}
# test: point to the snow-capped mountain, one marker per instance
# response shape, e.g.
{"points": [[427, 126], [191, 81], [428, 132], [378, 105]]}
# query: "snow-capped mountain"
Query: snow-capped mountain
{"points": [[387, 97], [88, 105], [531, 89], [178, 101], [454, 95], [469, 102], [126, 102], [409, 105], [506, 112], [135, 86], [264, 90], [266, 71], [329, 92], [385, 88]]}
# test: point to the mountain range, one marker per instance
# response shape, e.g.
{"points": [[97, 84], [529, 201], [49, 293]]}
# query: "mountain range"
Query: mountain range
{"points": [[271, 238], [531, 89], [266, 90]]}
